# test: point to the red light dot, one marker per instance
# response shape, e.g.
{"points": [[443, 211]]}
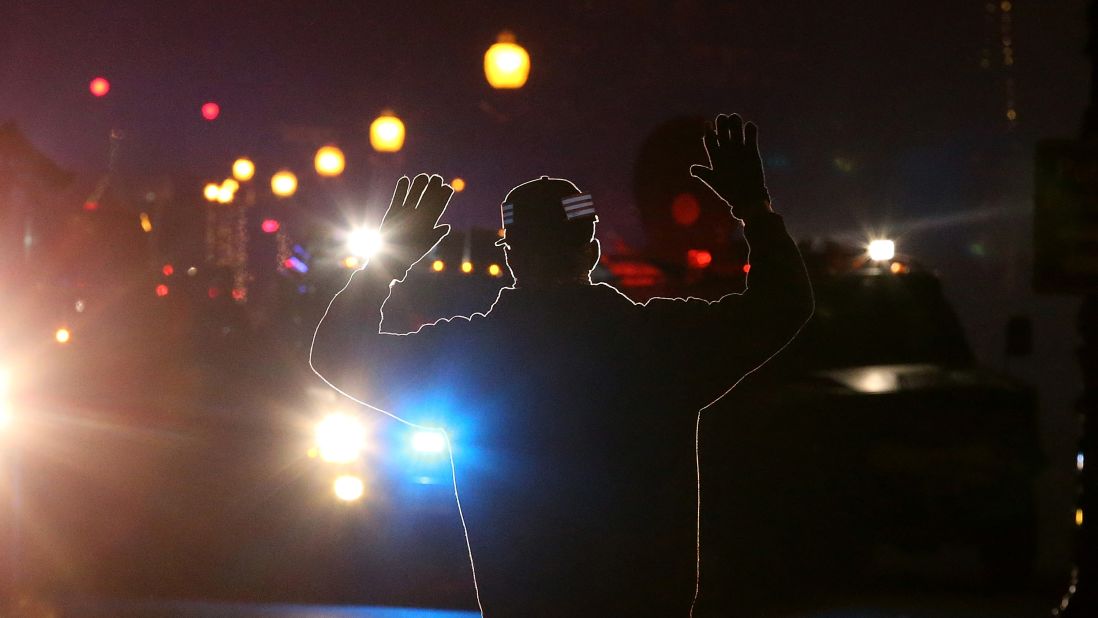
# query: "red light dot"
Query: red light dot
{"points": [[685, 209], [99, 86], [238, 294], [161, 290], [270, 226], [698, 258], [211, 110], [167, 270], [213, 292], [91, 205], [746, 268]]}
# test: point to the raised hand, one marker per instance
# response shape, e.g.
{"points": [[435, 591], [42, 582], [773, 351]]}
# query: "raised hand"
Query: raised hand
{"points": [[410, 227], [735, 171]]}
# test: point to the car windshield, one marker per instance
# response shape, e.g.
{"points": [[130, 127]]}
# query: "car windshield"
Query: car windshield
{"points": [[868, 319]]}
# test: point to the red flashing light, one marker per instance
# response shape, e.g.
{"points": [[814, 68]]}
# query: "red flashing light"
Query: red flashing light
{"points": [[270, 226], [211, 110], [99, 86], [746, 268], [161, 290], [213, 292], [238, 294], [685, 209], [698, 258], [91, 205], [288, 263], [167, 270]]}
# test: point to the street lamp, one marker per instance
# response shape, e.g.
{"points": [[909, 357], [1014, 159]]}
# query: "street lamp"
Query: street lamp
{"points": [[329, 161], [506, 63], [284, 183], [387, 132], [211, 191]]}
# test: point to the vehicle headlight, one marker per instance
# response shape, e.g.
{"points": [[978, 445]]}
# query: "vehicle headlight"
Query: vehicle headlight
{"points": [[340, 438]]}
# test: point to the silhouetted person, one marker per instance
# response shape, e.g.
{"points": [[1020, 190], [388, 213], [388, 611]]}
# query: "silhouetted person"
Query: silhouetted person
{"points": [[572, 409]]}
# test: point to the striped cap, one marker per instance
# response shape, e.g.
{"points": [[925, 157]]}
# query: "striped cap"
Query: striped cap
{"points": [[546, 208]]}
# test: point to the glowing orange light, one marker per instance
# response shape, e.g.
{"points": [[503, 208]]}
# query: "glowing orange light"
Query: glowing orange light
{"points": [[438, 266], [458, 185], [243, 169], [211, 110], [211, 191], [146, 223], [62, 335], [284, 183], [168, 270], [161, 290], [506, 64], [1078, 517], [329, 161], [494, 270], [99, 86], [387, 132], [685, 209], [467, 267], [270, 226], [351, 262]]}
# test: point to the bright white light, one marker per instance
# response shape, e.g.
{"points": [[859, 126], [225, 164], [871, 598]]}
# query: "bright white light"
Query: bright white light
{"points": [[882, 250], [1080, 461], [428, 441], [363, 242], [349, 488], [340, 438]]}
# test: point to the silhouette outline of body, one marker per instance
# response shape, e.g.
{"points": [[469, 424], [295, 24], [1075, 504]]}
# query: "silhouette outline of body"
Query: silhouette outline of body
{"points": [[582, 405]]}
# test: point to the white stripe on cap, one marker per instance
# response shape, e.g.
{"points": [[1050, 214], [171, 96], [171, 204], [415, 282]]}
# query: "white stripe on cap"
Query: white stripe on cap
{"points": [[574, 214], [508, 214], [571, 208], [576, 198]]}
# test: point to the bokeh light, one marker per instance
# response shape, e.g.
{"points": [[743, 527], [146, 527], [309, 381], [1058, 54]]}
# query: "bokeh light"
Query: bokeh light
{"points": [[99, 86], [340, 438], [329, 161], [387, 132], [211, 110], [243, 169], [458, 184], [348, 488], [506, 64], [284, 183]]}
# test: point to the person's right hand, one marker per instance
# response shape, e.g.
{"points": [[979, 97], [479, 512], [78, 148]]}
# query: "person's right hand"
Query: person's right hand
{"points": [[410, 227], [735, 171]]}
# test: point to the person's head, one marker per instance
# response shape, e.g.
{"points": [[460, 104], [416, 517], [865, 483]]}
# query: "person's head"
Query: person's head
{"points": [[549, 233]]}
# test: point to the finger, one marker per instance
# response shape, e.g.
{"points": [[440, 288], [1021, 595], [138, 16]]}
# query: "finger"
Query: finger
{"points": [[723, 129], [712, 146], [399, 193], [751, 137], [702, 173], [735, 130], [419, 183], [435, 199]]}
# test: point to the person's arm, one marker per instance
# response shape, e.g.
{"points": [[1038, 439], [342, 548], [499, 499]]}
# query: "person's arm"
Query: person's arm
{"points": [[717, 343], [349, 351]]}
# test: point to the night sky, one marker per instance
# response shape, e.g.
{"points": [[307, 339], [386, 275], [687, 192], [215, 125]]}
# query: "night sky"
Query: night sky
{"points": [[874, 115]]}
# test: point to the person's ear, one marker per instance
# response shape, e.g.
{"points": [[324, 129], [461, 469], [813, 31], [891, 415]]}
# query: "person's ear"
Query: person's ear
{"points": [[592, 250]]}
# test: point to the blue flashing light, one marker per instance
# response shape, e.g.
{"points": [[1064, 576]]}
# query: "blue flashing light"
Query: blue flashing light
{"points": [[297, 264], [428, 442]]}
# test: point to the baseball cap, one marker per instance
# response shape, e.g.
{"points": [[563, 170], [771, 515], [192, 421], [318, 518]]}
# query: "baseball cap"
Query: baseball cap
{"points": [[547, 210]]}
